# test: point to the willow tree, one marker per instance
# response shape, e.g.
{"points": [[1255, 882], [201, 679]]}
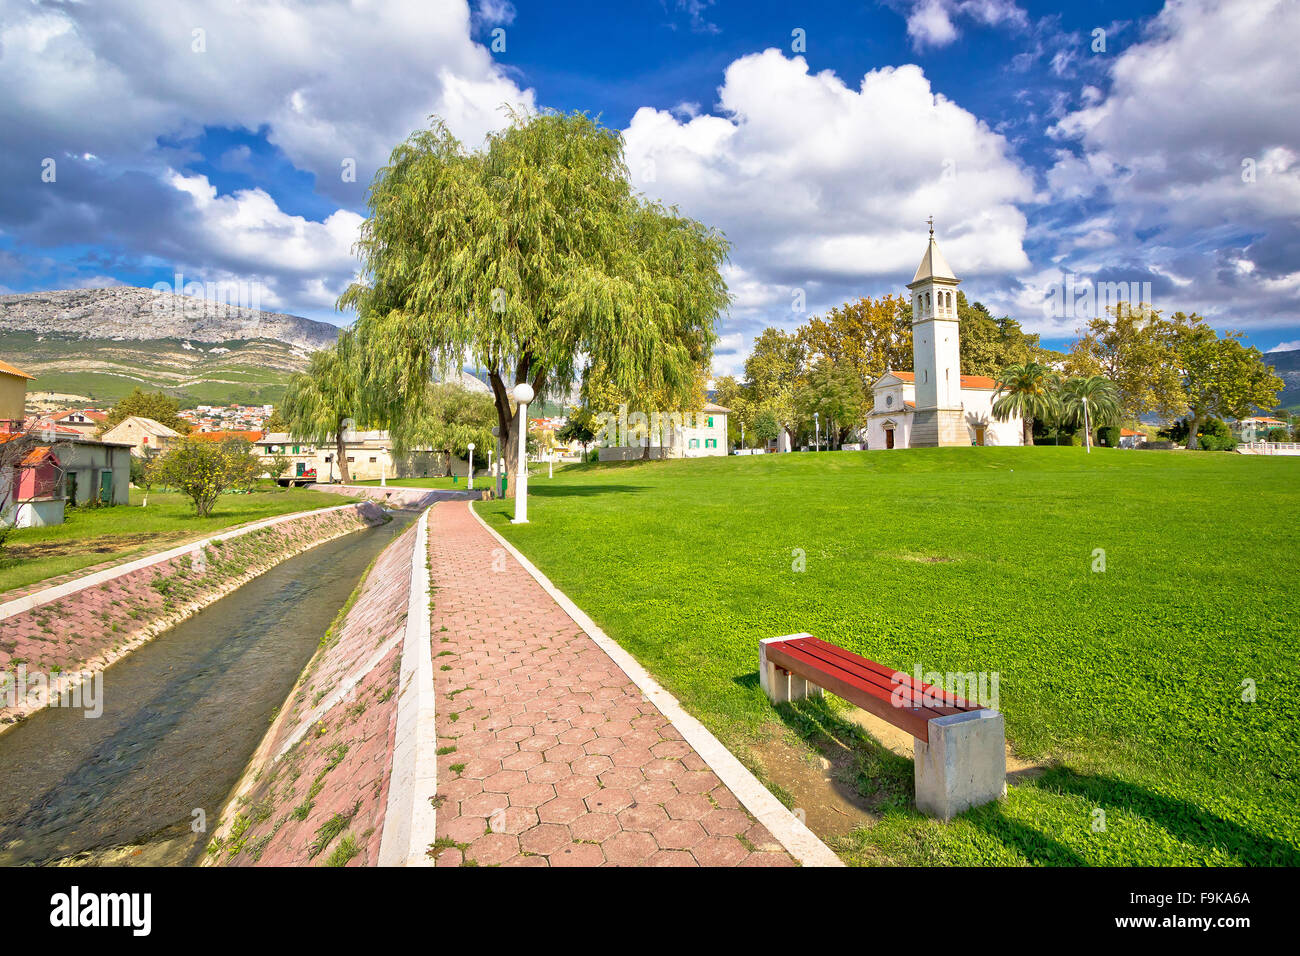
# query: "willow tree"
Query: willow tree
{"points": [[320, 401], [527, 258]]}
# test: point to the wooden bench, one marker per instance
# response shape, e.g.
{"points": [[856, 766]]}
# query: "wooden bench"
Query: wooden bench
{"points": [[959, 747]]}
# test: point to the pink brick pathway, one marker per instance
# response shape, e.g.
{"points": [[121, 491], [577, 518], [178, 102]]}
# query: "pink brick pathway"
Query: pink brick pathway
{"points": [[557, 759]]}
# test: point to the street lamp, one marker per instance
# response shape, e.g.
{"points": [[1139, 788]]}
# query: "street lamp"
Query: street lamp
{"points": [[1087, 429], [471, 466], [742, 435], [523, 395], [817, 426]]}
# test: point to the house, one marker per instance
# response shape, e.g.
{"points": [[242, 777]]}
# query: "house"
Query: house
{"points": [[13, 395], [252, 437], [144, 435], [934, 405], [38, 490], [1128, 438], [369, 454], [85, 421], [1255, 429], [627, 437]]}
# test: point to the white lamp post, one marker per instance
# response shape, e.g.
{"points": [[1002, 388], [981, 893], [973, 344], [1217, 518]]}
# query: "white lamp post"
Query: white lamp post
{"points": [[817, 426], [1087, 428], [471, 466], [523, 395], [742, 435]]}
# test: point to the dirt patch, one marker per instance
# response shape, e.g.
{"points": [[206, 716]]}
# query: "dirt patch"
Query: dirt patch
{"points": [[928, 558], [821, 780], [103, 544]]}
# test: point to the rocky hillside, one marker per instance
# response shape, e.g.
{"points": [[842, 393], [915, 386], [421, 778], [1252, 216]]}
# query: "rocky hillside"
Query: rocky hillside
{"points": [[132, 314], [95, 345]]}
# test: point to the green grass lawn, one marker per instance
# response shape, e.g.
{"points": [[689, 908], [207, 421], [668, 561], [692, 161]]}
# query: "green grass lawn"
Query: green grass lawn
{"points": [[90, 536], [1126, 684]]}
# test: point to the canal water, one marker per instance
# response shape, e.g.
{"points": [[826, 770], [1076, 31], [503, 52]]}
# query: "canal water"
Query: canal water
{"points": [[182, 715]]}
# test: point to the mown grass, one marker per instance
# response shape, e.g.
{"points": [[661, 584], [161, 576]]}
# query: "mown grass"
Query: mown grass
{"points": [[1128, 684], [90, 536]]}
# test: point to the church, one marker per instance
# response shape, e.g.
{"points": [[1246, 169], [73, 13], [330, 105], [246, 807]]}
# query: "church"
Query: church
{"points": [[935, 405]]}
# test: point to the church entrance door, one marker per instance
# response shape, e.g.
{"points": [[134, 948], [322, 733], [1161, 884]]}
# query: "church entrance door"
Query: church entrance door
{"points": [[889, 438]]}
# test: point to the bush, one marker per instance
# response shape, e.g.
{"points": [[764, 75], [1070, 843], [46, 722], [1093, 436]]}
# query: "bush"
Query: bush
{"points": [[593, 456], [1108, 435], [202, 470]]}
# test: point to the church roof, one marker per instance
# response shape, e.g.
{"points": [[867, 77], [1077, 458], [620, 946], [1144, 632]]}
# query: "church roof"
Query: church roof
{"points": [[980, 382], [933, 265]]}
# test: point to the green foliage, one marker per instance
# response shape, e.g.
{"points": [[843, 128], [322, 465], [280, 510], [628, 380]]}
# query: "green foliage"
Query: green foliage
{"points": [[156, 405], [448, 419], [1027, 392], [320, 401], [1088, 402], [203, 470], [525, 257], [835, 393], [1109, 435], [1221, 377]]}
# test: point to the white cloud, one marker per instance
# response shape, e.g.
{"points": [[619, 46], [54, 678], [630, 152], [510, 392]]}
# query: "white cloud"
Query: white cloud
{"points": [[1196, 149], [930, 23], [329, 80], [826, 188]]}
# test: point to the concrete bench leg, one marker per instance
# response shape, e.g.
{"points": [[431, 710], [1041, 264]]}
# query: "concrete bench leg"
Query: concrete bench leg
{"points": [[964, 765], [779, 685]]}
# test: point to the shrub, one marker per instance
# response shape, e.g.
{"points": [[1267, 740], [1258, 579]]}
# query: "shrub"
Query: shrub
{"points": [[1108, 436], [202, 470]]}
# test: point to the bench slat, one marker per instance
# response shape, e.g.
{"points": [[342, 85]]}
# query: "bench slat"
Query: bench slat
{"points": [[840, 681], [951, 702]]}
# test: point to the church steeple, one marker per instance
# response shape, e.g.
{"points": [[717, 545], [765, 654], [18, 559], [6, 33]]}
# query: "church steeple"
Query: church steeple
{"points": [[936, 350]]}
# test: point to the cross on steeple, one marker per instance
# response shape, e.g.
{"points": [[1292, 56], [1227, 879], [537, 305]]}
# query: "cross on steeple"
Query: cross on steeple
{"points": [[931, 222]]}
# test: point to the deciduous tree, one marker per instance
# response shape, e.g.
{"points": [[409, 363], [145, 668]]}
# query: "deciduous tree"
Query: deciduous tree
{"points": [[524, 257]]}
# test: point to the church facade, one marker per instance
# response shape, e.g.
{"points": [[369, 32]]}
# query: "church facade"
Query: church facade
{"points": [[934, 405]]}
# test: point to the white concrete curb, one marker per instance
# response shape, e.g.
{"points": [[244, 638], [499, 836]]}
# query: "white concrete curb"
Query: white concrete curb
{"points": [[37, 598], [804, 845], [410, 820]]}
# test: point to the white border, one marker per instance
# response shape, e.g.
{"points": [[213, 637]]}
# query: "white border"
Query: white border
{"points": [[410, 820], [799, 841]]}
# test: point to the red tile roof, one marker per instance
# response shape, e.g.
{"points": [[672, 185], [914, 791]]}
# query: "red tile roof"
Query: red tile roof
{"points": [[967, 381], [10, 370], [37, 455], [223, 435]]}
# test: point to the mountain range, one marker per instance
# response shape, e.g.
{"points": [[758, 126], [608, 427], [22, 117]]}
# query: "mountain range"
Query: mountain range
{"points": [[92, 346]]}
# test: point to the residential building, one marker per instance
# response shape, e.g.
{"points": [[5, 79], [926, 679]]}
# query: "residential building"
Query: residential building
{"points": [[1255, 429], [144, 435], [13, 393], [85, 421], [369, 454], [675, 435]]}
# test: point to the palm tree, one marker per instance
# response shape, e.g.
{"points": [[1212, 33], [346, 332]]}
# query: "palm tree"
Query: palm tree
{"points": [[320, 400], [1026, 392], [1091, 401]]}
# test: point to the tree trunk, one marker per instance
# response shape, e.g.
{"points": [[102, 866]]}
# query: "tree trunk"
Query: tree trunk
{"points": [[341, 453], [1029, 432], [508, 421], [1193, 442]]}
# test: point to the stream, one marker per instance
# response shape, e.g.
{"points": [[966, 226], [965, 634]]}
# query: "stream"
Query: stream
{"points": [[182, 715]]}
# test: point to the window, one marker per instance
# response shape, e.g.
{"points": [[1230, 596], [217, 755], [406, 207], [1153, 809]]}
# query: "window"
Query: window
{"points": [[373, 460], [710, 443], [694, 443], [351, 459], [710, 420]]}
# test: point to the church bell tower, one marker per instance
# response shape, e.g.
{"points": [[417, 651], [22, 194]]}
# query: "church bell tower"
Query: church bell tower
{"points": [[936, 352]]}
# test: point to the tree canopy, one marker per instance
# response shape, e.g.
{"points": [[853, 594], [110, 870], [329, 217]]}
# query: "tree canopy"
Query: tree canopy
{"points": [[524, 257], [320, 401], [158, 406]]}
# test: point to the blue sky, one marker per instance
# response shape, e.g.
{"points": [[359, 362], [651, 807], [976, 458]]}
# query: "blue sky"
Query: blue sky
{"points": [[1062, 146]]}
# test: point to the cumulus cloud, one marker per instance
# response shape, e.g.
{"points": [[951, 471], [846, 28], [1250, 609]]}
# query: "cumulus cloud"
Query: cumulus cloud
{"points": [[107, 91], [825, 189], [931, 23], [1195, 151]]}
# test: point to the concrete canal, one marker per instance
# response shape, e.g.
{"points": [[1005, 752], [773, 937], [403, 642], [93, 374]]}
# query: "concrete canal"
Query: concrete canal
{"points": [[181, 717]]}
